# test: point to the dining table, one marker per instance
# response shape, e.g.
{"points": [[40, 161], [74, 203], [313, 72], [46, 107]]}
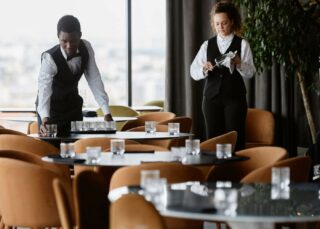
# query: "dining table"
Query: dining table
{"points": [[256, 207], [132, 158]]}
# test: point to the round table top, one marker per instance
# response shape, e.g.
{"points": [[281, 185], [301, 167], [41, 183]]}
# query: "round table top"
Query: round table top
{"points": [[256, 203], [134, 158]]}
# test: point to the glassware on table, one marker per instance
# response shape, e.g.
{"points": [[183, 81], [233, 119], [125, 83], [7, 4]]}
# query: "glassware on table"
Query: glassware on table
{"points": [[174, 128], [223, 150], [192, 146], [226, 201], [117, 146], [150, 127], [52, 130], [110, 125], [280, 180], [154, 191], [67, 150], [93, 154], [148, 174]]}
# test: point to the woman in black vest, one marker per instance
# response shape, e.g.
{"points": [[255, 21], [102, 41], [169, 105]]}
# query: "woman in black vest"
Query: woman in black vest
{"points": [[224, 98], [61, 69]]}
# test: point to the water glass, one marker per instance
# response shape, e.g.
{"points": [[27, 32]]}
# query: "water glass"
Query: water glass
{"points": [[71, 152], [63, 150], [280, 180], [150, 127], [192, 146], [110, 125], [223, 150], [117, 146], [79, 126], [73, 126], [145, 175], [226, 201], [154, 191], [52, 130], [174, 128], [93, 154]]}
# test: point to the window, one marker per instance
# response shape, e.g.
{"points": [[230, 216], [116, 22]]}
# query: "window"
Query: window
{"points": [[29, 28]]}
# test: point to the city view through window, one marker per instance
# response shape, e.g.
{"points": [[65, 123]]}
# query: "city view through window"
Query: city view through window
{"points": [[29, 28]]}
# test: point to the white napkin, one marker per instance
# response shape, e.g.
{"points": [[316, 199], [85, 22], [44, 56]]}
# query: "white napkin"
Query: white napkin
{"points": [[227, 61]]}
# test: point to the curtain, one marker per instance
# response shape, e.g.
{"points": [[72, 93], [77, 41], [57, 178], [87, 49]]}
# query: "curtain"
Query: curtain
{"points": [[187, 28]]}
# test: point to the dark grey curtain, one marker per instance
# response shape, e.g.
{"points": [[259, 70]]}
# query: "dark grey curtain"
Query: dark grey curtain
{"points": [[187, 28]]}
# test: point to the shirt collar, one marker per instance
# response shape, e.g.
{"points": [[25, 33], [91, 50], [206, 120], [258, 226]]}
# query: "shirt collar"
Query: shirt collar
{"points": [[225, 39], [64, 53]]}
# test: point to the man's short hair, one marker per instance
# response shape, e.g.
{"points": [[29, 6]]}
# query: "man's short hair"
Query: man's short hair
{"points": [[68, 24]]}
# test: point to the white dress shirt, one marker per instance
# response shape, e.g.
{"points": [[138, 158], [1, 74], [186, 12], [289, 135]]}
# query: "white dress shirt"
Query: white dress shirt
{"points": [[246, 68], [49, 69]]}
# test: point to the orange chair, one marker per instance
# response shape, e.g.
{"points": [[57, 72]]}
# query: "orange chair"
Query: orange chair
{"points": [[299, 171], [152, 116], [26, 196], [133, 211], [33, 128], [174, 173], [9, 131], [185, 123], [258, 158], [260, 128], [210, 145]]}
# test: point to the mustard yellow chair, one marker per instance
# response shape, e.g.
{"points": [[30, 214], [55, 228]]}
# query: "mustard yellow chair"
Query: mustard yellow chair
{"points": [[152, 116], [260, 128], [33, 128], [258, 158], [120, 111], [159, 103], [133, 211]]}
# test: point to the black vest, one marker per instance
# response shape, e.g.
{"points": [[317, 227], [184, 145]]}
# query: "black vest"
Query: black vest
{"points": [[66, 103], [220, 81]]}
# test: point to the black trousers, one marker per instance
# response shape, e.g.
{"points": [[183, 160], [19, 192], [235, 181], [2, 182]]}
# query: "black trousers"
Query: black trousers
{"points": [[225, 113]]}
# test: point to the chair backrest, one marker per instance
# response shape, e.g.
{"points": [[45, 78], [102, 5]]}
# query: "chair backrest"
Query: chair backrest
{"points": [[133, 211], [35, 159], [210, 144], [64, 206], [159, 103], [185, 123], [91, 200], [2, 127], [260, 128], [174, 172], [26, 144], [81, 144], [299, 170], [26, 196], [152, 116], [258, 158], [33, 128], [9, 131]]}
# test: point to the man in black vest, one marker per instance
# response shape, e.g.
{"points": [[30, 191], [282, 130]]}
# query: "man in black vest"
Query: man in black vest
{"points": [[61, 69]]}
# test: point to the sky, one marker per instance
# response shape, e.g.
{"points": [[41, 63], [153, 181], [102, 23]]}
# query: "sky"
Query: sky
{"points": [[37, 19]]}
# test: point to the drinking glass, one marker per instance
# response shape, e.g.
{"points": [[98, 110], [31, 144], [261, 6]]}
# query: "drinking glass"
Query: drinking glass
{"points": [[145, 175], [63, 150], [226, 201], [71, 152], [150, 127], [174, 128], [52, 130], [280, 179], [110, 125], [117, 146], [223, 150], [192, 146], [154, 191], [93, 154]]}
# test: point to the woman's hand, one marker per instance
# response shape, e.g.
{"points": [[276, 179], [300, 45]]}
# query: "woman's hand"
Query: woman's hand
{"points": [[108, 117], [237, 61], [208, 67], [43, 128]]}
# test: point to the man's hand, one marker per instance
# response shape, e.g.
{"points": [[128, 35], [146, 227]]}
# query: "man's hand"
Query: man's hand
{"points": [[43, 127], [108, 117]]}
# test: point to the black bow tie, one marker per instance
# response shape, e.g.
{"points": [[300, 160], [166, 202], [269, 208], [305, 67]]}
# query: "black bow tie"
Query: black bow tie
{"points": [[70, 57]]}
